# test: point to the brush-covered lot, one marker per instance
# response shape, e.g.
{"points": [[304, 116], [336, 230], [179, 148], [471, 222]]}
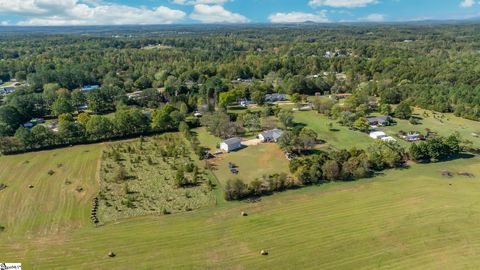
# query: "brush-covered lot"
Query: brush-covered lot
{"points": [[404, 219], [140, 177]]}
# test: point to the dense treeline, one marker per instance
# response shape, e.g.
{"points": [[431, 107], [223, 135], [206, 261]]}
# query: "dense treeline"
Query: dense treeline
{"points": [[435, 66], [339, 165], [93, 128]]}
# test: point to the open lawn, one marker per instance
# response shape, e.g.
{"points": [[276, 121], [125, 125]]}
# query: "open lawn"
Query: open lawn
{"points": [[251, 162], [405, 219], [339, 137], [53, 205]]}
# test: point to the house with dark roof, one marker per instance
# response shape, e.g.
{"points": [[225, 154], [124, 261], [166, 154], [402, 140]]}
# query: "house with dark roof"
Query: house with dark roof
{"points": [[379, 120], [7, 89], [275, 97], [270, 135], [231, 144]]}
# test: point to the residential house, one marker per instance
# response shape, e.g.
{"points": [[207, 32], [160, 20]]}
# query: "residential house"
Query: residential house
{"points": [[231, 144], [275, 97], [379, 120], [7, 89], [270, 135], [88, 88]]}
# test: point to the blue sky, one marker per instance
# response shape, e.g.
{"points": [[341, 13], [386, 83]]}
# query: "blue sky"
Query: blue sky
{"points": [[108, 12]]}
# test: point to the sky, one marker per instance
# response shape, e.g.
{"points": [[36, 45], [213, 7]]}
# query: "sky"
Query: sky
{"points": [[128, 12]]}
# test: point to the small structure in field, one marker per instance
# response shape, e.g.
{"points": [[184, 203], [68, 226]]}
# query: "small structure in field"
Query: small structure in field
{"points": [[447, 173], [264, 252], [388, 139], [270, 135], [231, 144]]}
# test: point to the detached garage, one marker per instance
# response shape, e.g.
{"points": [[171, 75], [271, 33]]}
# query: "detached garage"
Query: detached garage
{"points": [[231, 144]]}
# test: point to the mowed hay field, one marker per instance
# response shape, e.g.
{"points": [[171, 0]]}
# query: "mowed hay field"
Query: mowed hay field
{"points": [[405, 219], [53, 205]]}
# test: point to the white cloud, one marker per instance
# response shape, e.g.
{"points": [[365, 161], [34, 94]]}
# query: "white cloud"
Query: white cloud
{"points": [[199, 2], [341, 3], [375, 17], [467, 3], [76, 12], [298, 17], [3, 23], [216, 14]]}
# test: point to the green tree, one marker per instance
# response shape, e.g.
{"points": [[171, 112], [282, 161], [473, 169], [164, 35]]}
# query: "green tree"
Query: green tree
{"points": [[62, 105], [286, 118], [403, 110], [362, 124]]}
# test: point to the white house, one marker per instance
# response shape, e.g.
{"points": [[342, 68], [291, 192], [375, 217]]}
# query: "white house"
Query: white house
{"points": [[377, 135], [270, 135], [231, 144]]}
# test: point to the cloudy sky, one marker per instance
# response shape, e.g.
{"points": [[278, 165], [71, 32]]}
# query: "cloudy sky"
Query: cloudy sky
{"points": [[108, 12]]}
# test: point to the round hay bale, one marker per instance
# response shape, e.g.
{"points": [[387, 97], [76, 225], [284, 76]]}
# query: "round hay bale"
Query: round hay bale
{"points": [[111, 254], [244, 214], [30, 186], [264, 252]]}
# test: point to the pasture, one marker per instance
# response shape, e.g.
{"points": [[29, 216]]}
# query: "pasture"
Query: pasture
{"points": [[443, 124], [48, 192], [404, 219]]}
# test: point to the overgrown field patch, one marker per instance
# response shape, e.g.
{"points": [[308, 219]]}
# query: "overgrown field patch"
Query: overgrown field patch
{"points": [[157, 175]]}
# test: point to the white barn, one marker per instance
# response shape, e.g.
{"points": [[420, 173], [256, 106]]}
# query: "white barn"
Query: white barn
{"points": [[231, 144]]}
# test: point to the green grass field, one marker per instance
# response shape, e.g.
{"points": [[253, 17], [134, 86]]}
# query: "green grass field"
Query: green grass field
{"points": [[252, 162], [405, 219], [53, 205], [444, 126], [341, 137]]}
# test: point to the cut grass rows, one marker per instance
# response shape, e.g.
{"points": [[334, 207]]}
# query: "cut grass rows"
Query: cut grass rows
{"points": [[404, 219]]}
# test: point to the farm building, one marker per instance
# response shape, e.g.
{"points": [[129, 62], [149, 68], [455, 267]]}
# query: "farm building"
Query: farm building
{"points": [[231, 144], [379, 120], [377, 135], [270, 135]]}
